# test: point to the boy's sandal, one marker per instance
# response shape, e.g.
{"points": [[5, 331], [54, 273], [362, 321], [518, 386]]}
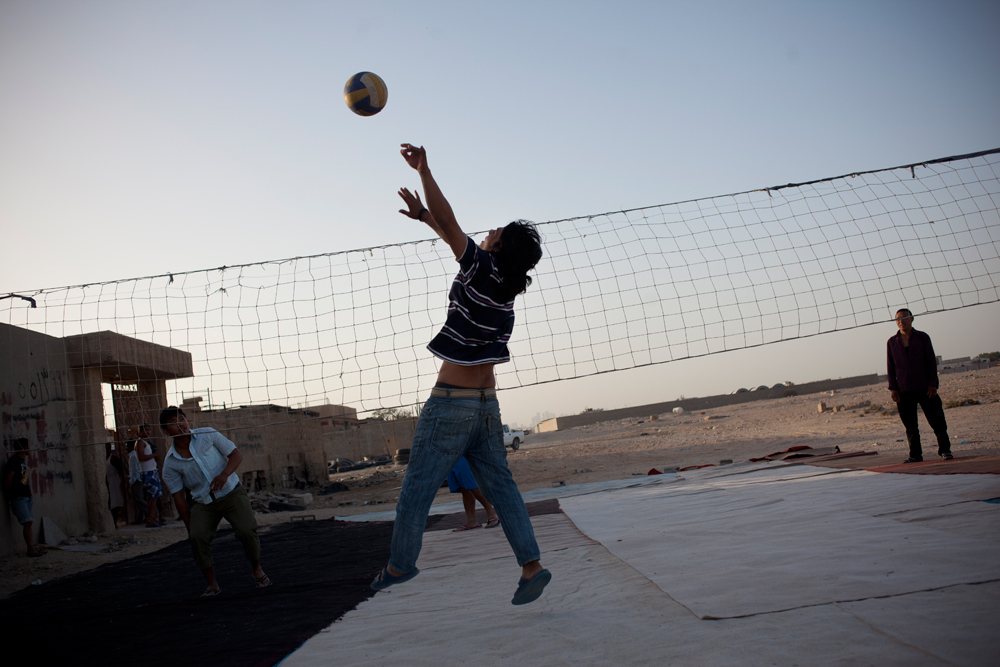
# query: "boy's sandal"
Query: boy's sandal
{"points": [[464, 527], [383, 580], [493, 523], [262, 582], [211, 592]]}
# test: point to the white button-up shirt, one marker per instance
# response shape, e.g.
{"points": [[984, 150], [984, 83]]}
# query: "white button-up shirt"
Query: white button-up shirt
{"points": [[209, 457]]}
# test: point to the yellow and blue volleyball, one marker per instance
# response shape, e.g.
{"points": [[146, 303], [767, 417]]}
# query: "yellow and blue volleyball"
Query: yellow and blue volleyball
{"points": [[365, 94]]}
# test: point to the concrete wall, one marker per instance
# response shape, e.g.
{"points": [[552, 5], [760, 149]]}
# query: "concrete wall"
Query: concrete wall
{"points": [[371, 438], [279, 444], [125, 359], [50, 393], [38, 402], [691, 404], [93, 435], [109, 357]]}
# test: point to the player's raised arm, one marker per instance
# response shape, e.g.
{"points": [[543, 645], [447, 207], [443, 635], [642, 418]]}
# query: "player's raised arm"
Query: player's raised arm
{"points": [[440, 210], [415, 209]]}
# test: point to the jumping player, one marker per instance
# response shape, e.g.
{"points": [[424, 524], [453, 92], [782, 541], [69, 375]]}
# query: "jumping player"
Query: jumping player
{"points": [[462, 415]]}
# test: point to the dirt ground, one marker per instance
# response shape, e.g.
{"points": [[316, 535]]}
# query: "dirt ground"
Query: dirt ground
{"points": [[615, 450]]}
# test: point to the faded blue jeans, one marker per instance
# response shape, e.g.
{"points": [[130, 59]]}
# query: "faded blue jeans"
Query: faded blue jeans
{"points": [[448, 429]]}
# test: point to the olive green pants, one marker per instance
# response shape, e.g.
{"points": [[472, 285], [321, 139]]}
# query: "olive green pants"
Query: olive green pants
{"points": [[235, 508]]}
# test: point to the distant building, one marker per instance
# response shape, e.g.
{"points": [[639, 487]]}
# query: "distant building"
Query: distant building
{"points": [[962, 365], [280, 445], [336, 417]]}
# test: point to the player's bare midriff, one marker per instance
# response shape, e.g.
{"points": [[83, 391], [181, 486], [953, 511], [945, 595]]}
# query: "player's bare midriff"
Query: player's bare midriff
{"points": [[479, 376]]}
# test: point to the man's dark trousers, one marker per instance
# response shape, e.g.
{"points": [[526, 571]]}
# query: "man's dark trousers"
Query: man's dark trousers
{"points": [[933, 410]]}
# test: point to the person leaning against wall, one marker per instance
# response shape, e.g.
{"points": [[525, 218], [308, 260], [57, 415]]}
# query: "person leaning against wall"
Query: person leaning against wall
{"points": [[205, 462], [18, 492]]}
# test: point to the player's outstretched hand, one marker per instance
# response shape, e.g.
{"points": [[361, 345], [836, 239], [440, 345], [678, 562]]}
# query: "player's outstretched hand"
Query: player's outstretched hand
{"points": [[415, 157], [413, 203]]}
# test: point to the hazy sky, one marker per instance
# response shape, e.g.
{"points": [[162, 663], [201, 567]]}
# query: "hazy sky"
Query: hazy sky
{"points": [[145, 138]]}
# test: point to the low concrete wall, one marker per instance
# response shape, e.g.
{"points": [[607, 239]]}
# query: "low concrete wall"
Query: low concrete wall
{"points": [[371, 439], [691, 404]]}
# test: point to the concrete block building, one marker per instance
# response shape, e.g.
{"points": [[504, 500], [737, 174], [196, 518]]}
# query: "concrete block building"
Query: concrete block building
{"points": [[280, 445], [962, 365], [51, 394]]}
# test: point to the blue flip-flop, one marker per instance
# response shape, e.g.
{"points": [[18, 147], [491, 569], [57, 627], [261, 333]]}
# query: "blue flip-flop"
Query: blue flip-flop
{"points": [[528, 590], [383, 580]]}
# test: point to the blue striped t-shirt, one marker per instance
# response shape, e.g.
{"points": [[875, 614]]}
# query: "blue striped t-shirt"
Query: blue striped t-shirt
{"points": [[478, 325]]}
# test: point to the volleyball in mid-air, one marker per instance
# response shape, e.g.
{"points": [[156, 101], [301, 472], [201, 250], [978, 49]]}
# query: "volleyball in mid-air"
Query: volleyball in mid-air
{"points": [[365, 94]]}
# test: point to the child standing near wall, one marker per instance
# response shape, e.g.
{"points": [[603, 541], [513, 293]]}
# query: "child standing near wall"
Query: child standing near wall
{"points": [[18, 492]]}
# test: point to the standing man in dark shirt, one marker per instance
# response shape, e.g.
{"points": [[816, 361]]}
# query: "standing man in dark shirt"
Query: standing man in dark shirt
{"points": [[913, 381], [15, 484]]}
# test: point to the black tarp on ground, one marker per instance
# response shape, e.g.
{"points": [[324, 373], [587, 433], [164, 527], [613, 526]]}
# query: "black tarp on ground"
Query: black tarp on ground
{"points": [[144, 611]]}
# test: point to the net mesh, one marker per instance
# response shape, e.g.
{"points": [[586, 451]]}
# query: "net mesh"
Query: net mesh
{"points": [[614, 291]]}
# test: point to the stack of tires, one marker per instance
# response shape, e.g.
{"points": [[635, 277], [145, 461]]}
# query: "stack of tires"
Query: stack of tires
{"points": [[343, 465], [402, 457]]}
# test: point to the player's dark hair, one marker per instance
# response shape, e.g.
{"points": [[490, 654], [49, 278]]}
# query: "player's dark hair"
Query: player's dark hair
{"points": [[905, 310], [168, 414], [519, 252]]}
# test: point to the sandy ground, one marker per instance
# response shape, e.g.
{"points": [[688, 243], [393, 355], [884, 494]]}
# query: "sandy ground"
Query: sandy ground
{"points": [[615, 450]]}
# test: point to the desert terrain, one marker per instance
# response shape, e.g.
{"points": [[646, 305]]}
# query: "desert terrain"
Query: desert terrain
{"points": [[614, 450]]}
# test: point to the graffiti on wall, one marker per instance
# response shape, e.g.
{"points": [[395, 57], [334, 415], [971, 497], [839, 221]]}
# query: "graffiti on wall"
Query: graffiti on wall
{"points": [[37, 410], [247, 441], [41, 387]]}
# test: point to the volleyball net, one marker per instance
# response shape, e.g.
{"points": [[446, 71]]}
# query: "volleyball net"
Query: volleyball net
{"points": [[613, 291]]}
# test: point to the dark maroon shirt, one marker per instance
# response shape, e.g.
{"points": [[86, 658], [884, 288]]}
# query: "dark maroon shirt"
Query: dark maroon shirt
{"points": [[912, 367]]}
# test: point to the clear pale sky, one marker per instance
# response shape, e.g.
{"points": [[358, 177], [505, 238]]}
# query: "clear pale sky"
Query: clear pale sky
{"points": [[145, 138]]}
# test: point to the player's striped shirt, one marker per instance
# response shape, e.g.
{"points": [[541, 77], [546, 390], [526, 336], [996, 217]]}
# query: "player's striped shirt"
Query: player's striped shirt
{"points": [[478, 325]]}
